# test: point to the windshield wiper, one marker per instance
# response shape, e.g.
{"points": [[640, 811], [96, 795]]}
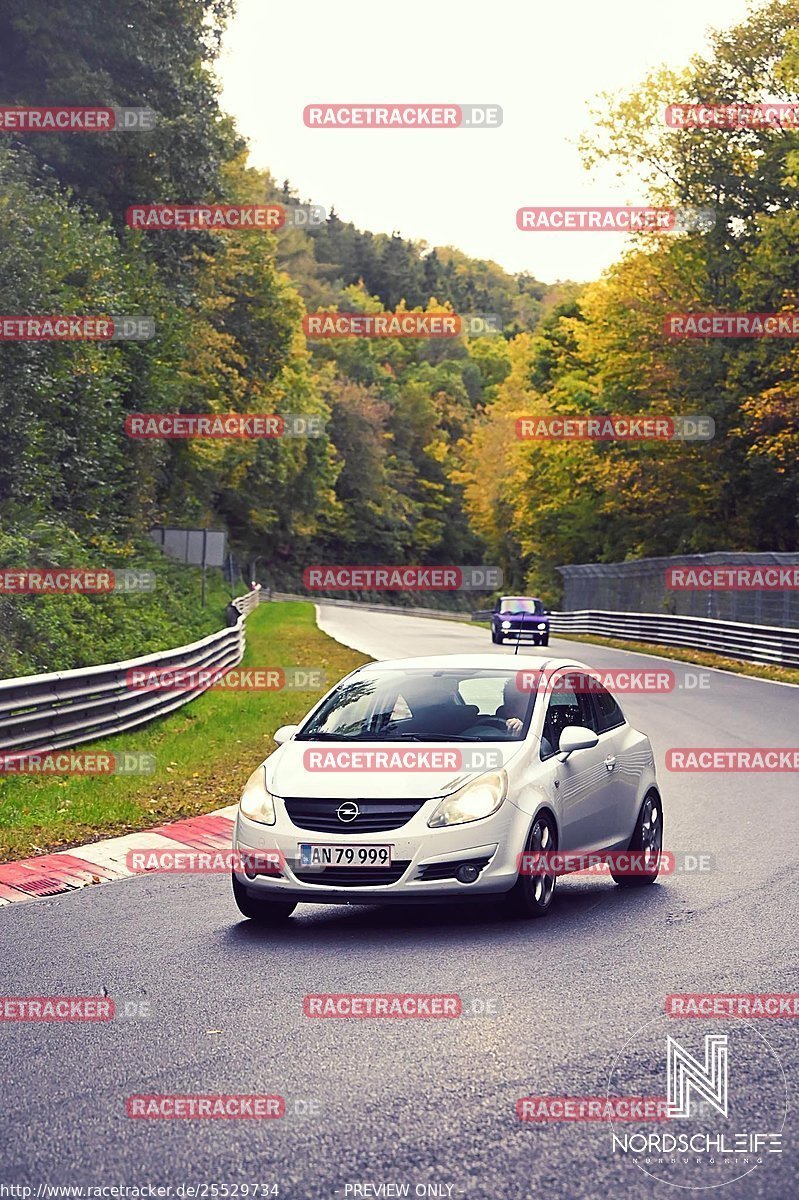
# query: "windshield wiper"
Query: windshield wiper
{"points": [[391, 736], [321, 736]]}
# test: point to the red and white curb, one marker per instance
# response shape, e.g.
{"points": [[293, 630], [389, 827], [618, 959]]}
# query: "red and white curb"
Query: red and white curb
{"points": [[98, 862]]}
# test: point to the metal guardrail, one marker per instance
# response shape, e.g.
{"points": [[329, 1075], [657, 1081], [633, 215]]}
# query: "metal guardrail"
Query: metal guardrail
{"points": [[41, 713], [754, 643], [735, 639]]}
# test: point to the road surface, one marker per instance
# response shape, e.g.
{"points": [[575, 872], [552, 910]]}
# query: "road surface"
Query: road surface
{"points": [[430, 1104]]}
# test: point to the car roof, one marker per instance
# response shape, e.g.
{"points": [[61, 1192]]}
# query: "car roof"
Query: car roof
{"points": [[521, 662]]}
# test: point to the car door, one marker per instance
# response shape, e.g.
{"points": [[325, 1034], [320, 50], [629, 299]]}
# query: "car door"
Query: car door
{"points": [[584, 784], [625, 756]]}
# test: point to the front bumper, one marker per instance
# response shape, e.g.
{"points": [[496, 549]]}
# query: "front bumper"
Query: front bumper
{"points": [[526, 630], [492, 844]]}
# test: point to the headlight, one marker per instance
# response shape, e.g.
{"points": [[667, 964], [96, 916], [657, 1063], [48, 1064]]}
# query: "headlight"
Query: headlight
{"points": [[472, 802], [542, 625], [256, 802], [506, 624]]}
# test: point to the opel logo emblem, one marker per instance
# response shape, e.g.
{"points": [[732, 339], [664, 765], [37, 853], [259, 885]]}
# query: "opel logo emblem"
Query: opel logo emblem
{"points": [[348, 811]]}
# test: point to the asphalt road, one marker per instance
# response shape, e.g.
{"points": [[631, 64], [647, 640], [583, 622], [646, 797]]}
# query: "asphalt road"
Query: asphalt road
{"points": [[424, 1103]]}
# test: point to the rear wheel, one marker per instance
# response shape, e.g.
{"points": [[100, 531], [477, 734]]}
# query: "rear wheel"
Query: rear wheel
{"points": [[647, 842], [265, 912], [531, 895]]}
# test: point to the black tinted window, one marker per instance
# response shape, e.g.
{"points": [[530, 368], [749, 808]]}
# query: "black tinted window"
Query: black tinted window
{"points": [[608, 713], [566, 707]]}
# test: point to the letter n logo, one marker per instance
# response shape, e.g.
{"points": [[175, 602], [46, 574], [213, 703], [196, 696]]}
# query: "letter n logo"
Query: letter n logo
{"points": [[708, 1079]]}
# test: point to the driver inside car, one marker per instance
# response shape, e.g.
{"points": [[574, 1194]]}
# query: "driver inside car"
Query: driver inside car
{"points": [[438, 710], [513, 706]]}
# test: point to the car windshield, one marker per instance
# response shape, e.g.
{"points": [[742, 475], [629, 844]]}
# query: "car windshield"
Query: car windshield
{"points": [[471, 704], [514, 604]]}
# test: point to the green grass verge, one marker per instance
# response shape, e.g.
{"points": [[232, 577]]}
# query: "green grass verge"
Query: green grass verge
{"points": [[204, 752], [45, 633], [701, 658]]}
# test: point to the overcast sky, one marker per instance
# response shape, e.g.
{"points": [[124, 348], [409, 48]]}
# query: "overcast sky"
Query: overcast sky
{"points": [[543, 63]]}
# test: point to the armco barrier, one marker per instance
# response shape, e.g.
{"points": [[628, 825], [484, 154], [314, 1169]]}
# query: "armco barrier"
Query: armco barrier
{"points": [[40, 713], [755, 643]]}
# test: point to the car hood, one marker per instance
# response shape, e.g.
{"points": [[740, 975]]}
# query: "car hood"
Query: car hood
{"points": [[292, 771]]}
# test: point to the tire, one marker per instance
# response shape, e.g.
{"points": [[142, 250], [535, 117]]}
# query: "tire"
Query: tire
{"points": [[496, 638], [647, 837], [545, 639], [265, 912], [531, 895]]}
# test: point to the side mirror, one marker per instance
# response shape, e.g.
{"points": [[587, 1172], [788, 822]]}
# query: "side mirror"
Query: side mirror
{"points": [[576, 737], [284, 734]]}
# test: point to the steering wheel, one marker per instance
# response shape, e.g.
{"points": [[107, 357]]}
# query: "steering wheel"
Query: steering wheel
{"points": [[500, 721]]}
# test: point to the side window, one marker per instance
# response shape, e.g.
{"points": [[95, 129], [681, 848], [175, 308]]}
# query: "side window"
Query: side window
{"points": [[608, 713], [566, 707]]}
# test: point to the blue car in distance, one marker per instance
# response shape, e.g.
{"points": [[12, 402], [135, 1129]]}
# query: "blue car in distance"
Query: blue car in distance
{"points": [[518, 618]]}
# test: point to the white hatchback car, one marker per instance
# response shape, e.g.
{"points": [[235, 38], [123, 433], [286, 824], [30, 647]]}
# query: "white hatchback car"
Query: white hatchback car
{"points": [[428, 779]]}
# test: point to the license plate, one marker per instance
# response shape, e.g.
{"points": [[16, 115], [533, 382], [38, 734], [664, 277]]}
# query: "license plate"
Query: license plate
{"points": [[315, 854]]}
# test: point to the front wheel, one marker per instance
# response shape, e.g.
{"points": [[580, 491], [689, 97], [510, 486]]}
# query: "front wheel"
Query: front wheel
{"points": [[265, 912], [545, 639], [647, 842], [496, 638], [531, 895]]}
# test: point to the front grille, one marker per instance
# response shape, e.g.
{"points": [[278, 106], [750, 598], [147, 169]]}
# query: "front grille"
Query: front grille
{"points": [[355, 876], [448, 870], [374, 817]]}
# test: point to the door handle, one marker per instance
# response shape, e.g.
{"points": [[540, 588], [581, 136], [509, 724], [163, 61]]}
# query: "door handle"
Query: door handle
{"points": [[610, 762]]}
